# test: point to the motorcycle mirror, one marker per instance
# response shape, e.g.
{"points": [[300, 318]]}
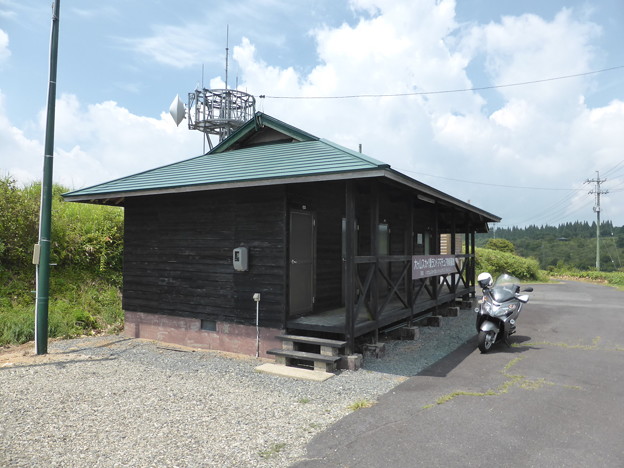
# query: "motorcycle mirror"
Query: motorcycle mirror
{"points": [[529, 289]]}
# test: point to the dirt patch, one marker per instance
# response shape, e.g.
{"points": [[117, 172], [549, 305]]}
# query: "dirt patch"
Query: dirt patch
{"points": [[22, 355], [25, 355]]}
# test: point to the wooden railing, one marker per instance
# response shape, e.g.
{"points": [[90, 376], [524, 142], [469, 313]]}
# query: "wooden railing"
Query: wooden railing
{"points": [[400, 291]]}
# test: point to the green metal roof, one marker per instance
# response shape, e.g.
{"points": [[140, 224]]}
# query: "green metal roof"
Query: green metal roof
{"points": [[241, 160], [273, 161]]}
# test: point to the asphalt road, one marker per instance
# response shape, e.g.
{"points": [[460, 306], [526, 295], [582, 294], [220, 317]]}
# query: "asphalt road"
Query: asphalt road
{"points": [[553, 399]]}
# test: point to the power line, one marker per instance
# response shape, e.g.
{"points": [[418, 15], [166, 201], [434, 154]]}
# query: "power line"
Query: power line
{"points": [[491, 185], [557, 210], [447, 91], [614, 168], [555, 213]]}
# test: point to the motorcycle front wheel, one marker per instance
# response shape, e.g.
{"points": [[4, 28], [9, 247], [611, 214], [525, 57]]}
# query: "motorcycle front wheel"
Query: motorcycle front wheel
{"points": [[486, 340]]}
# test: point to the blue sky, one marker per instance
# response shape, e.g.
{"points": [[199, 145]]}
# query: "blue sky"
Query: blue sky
{"points": [[521, 152]]}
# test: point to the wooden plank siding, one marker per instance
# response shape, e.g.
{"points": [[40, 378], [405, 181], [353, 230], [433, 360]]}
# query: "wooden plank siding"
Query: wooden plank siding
{"points": [[178, 255]]}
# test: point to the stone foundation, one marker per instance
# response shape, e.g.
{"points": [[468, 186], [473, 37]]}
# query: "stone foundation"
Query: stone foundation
{"points": [[229, 337]]}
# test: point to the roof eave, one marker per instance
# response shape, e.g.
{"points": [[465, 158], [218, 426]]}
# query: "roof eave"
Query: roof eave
{"points": [[439, 195], [122, 195]]}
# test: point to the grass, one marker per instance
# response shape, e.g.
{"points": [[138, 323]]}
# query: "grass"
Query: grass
{"points": [[615, 278], [592, 347], [81, 303], [273, 450], [360, 404], [513, 380]]}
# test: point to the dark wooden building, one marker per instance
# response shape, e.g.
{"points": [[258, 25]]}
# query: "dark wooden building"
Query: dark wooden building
{"points": [[329, 238]]}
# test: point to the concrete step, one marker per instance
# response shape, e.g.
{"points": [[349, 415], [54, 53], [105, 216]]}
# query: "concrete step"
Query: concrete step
{"points": [[303, 355], [322, 362], [312, 340], [294, 372]]}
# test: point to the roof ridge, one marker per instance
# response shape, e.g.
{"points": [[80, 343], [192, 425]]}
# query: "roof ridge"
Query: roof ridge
{"points": [[258, 121]]}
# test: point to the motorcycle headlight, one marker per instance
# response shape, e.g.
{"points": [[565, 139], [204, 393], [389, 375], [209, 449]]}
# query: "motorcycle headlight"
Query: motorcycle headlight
{"points": [[506, 310], [487, 307], [500, 312]]}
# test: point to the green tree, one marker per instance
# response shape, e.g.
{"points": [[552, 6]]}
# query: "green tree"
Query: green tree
{"points": [[502, 245]]}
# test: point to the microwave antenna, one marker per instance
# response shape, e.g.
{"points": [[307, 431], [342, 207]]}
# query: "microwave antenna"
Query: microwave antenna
{"points": [[218, 112]]}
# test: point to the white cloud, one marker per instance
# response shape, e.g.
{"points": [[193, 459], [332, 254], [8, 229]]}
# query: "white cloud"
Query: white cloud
{"points": [[100, 142], [20, 156], [98, 12], [527, 48], [105, 141], [537, 135], [176, 46], [5, 52]]}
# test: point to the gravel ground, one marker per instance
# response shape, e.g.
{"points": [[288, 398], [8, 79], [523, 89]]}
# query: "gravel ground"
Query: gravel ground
{"points": [[117, 402]]}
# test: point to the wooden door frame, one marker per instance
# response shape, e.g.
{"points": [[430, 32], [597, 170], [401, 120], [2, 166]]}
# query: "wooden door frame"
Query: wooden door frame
{"points": [[312, 214]]}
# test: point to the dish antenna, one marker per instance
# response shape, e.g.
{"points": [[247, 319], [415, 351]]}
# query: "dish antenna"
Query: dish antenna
{"points": [[217, 112]]}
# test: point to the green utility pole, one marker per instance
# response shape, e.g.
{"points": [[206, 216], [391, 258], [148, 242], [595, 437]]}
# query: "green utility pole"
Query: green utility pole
{"points": [[597, 192], [42, 250]]}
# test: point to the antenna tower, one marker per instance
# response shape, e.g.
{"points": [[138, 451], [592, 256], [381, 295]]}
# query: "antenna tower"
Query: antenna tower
{"points": [[217, 112]]}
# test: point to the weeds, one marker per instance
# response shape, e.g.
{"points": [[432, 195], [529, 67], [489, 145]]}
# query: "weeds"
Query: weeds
{"points": [[87, 246], [273, 450], [360, 404], [513, 380], [80, 303]]}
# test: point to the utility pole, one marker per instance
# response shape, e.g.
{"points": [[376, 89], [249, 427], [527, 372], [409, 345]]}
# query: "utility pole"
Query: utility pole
{"points": [[42, 250], [596, 191]]}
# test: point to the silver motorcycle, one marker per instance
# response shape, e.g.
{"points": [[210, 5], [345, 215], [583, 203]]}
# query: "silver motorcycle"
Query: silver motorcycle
{"points": [[499, 309]]}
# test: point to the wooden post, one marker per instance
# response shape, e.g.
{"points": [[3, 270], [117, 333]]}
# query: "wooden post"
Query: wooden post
{"points": [[453, 247], [435, 248], [350, 266], [409, 239], [374, 236], [473, 264]]}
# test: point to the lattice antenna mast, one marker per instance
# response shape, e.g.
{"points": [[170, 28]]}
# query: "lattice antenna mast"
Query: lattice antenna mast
{"points": [[217, 112], [597, 192], [227, 53]]}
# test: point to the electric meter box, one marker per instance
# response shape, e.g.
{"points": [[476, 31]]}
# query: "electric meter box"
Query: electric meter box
{"points": [[240, 259]]}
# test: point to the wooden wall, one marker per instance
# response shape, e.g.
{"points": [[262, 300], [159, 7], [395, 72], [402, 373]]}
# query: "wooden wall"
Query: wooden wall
{"points": [[178, 247], [178, 255]]}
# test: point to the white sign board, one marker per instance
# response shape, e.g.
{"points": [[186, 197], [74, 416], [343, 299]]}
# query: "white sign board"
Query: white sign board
{"points": [[424, 266]]}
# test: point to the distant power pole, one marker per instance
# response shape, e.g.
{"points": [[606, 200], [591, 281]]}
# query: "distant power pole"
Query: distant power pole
{"points": [[596, 191]]}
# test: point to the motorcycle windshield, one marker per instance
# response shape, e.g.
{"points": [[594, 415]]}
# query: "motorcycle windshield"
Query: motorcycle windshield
{"points": [[505, 288]]}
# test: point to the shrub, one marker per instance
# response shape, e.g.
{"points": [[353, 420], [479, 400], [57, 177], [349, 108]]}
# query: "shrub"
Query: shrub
{"points": [[86, 245], [19, 221], [80, 303], [496, 263], [613, 278], [84, 236]]}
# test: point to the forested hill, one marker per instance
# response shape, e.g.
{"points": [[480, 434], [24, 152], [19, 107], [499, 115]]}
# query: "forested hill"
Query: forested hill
{"points": [[583, 230], [567, 245]]}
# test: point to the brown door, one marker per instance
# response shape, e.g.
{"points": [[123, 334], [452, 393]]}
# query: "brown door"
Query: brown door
{"points": [[301, 262]]}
